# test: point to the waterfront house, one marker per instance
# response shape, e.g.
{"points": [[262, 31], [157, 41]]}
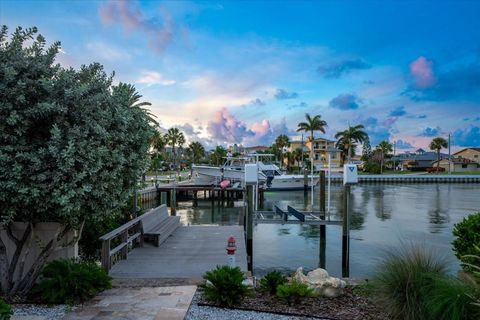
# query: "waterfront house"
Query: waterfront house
{"points": [[419, 160], [320, 152], [255, 149], [472, 154], [458, 164]]}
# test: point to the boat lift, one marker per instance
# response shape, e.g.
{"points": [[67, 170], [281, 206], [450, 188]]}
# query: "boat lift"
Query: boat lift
{"points": [[279, 216]]}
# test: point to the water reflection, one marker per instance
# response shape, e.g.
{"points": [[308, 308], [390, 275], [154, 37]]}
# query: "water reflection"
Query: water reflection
{"points": [[382, 215]]}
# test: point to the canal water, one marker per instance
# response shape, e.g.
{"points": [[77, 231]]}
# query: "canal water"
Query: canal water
{"points": [[384, 217]]}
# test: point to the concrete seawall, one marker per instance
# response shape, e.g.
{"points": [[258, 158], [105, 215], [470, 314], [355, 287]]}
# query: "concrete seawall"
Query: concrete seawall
{"points": [[411, 178]]}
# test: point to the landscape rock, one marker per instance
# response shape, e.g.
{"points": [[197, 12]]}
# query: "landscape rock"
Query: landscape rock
{"points": [[320, 281]]}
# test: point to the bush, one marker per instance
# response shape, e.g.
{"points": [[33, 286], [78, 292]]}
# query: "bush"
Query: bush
{"points": [[294, 292], [468, 236], [5, 310], [372, 167], [272, 280], [450, 298], [401, 280], [225, 286], [68, 281]]}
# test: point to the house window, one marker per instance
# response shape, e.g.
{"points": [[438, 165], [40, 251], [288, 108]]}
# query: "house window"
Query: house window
{"points": [[464, 166], [316, 157], [475, 155], [334, 156]]}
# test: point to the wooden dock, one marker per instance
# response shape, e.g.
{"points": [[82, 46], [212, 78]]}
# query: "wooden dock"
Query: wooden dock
{"points": [[187, 254]]}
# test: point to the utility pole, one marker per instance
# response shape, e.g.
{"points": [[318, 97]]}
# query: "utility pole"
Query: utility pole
{"points": [[449, 156]]}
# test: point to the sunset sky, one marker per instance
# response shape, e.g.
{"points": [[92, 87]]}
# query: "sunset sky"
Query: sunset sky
{"points": [[244, 72]]}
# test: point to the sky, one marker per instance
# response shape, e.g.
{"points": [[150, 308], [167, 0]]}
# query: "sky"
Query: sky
{"points": [[244, 72]]}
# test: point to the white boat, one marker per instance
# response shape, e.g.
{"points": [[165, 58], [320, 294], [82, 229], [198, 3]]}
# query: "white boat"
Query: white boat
{"points": [[276, 179], [269, 175], [233, 169]]}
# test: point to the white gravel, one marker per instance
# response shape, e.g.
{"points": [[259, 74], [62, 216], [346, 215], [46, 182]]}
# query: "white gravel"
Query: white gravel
{"points": [[196, 312], [54, 312]]}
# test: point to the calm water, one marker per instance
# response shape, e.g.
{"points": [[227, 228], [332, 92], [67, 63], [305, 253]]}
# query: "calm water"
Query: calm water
{"points": [[383, 216]]}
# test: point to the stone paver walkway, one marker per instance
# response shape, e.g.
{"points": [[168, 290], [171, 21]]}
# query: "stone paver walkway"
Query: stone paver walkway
{"points": [[141, 303]]}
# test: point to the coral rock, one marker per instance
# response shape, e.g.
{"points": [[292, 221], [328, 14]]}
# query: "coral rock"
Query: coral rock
{"points": [[321, 282]]}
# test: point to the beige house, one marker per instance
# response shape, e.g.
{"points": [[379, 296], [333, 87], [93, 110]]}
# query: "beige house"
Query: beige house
{"points": [[469, 153], [320, 151], [458, 165]]}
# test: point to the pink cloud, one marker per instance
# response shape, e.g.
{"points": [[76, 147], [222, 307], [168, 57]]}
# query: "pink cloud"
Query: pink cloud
{"points": [[129, 16], [226, 128], [422, 71]]}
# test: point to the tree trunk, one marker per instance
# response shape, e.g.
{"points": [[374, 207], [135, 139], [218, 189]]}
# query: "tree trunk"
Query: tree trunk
{"points": [[438, 160], [20, 270]]}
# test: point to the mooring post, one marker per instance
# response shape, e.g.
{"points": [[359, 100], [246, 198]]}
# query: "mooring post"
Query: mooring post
{"points": [[195, 198], [305, 181], [323, 231], [346, 232], [249, 225], [173, 202]]}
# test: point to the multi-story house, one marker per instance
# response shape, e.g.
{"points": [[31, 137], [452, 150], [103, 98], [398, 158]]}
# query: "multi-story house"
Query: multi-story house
{"points": [[321, 148]]}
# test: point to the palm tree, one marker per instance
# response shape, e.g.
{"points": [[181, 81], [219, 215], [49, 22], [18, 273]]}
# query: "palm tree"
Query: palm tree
{"points": [[297, 154], [437, 144], [133, 98], [347, 139], [384, 148], [174, 137], [158, 142], [290, 159], [312, 124], [281, 142], [195, 152], [218, 154]]}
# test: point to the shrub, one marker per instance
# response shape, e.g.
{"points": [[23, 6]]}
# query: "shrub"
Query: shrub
{"points": [[68, 281], [474, 266], [450, 298], [401, 279], [468, 236], [372, 167], [225, 286], [294, 292], [5, 310], [272, 280]]}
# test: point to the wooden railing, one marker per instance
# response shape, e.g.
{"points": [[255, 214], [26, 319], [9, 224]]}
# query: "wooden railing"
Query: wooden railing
{"points": [[131, 233]]}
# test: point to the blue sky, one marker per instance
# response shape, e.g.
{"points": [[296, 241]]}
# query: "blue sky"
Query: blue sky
{"points": [[244, 72]]}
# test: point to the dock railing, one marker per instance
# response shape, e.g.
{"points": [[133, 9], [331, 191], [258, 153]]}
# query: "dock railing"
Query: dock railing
{"points": [[129, 233]]}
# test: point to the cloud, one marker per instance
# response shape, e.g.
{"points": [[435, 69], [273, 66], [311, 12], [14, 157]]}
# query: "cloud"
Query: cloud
{"points": [[459, 83], [421, 70], [377, 131], [265, 133], [345, 102], [430, 132], [398, 112], [107, 52], [226, 128], [402, 144], [468, 137], [159, 34], [337, 69], [257, 102], [281, 94], [422, 116], [300, 105], [153, 78]]}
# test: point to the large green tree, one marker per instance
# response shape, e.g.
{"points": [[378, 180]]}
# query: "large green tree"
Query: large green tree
{"points": [[174, 137], [217, 156], [384, 147], [311, 125], [437, 144], [72, 147], [347, 139], [195, 152], [281, 142]]}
